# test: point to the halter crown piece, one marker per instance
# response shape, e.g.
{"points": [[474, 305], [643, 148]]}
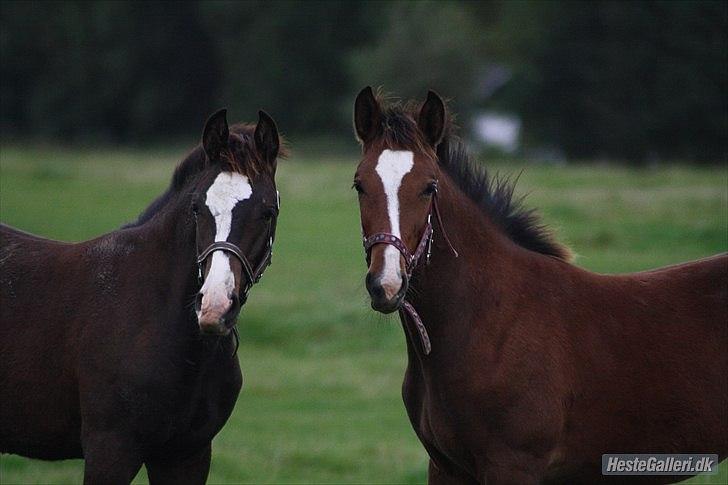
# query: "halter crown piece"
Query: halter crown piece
{"points": [[411, 260]]}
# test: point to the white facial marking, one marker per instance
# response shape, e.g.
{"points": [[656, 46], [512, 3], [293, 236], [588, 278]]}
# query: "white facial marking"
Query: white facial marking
{"points": [[392, 166], [226, 191]]}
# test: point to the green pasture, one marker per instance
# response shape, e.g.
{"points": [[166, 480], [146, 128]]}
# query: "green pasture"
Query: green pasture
{"points": [[321, 400]]}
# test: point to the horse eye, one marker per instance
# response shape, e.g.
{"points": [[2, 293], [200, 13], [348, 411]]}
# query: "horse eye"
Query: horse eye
{"points": [[357, 186], [430, 189], [195, 207]]}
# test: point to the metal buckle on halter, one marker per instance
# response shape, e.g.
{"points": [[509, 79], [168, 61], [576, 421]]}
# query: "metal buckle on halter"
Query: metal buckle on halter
{"points": [[432, 236], [200, 278], [429, 223], [270, 238]]}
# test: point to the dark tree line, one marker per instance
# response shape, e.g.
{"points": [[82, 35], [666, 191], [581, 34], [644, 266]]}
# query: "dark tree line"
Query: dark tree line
{"points": [[627, 80], [632, 80], [142, 70]]}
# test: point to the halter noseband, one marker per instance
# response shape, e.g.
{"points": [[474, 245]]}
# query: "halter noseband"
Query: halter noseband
{"points": [[252, 276], [411, 261]]}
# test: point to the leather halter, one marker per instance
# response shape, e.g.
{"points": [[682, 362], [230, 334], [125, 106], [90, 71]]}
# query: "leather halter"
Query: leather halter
{"points": [[252, 275], [411, 261]]}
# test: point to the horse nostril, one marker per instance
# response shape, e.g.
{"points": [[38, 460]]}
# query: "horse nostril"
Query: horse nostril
{"points": [[231, 315], [198, 302], [375, 289]]}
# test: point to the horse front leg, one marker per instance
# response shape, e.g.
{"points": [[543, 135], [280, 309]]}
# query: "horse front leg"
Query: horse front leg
{"points": [[436, 476], [188, 469], [505, 465], [111, 458]]}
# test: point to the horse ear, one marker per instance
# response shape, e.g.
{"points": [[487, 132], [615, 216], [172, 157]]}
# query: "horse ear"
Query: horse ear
{"points": [[267, 141], [431, 119], [215, 135], [367, 115]]}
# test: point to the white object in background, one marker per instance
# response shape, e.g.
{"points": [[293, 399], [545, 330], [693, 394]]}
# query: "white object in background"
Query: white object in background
{"points": [[498, 130]]}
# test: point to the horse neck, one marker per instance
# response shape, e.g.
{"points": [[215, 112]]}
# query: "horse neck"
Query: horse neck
{"points": [[169, 245], [454, 295]]}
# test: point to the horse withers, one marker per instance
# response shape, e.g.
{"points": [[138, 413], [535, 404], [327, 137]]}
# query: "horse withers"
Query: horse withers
{"points": [[122, 350], [523, 368]]}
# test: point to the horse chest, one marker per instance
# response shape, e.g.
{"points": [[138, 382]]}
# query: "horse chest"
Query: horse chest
{"points": [[440, 428], [181, 405], [203, 410]]}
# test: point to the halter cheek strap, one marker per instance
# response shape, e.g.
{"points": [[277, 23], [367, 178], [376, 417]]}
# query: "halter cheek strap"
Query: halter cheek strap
{"points": [[411, 261]]}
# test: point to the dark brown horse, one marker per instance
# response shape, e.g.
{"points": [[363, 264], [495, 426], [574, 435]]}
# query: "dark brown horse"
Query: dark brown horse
{"points": [[522, 367], [114, 350]]}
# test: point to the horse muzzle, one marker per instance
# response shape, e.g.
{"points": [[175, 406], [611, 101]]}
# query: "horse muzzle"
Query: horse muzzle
{"points": [[386, 296], [217, 316]]}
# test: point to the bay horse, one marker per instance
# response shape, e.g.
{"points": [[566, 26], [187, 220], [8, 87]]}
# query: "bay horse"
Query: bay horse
{"points": [[121, 350], [523, 368]]}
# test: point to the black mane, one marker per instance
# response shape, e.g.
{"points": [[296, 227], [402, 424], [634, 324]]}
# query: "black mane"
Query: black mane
{"points": [[493, 194], [496, 196], [193, 164]]}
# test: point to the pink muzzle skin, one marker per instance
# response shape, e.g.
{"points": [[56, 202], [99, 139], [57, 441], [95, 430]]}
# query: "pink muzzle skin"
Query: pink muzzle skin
{"points": [[214, 308]]}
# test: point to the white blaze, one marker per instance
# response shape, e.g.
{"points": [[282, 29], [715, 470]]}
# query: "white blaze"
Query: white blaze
{"points": [[226, 191], [392, 166]]}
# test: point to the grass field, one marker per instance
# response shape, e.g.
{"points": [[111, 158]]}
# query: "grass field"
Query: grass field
{"points": [[321, 400]]}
